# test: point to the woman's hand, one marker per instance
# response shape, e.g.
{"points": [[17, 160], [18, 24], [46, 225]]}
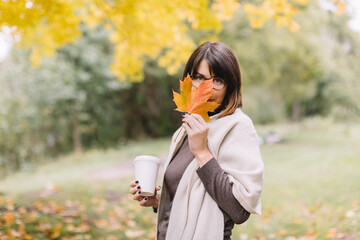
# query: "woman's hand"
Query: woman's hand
{"points": [[135, 190], [197, 130]]}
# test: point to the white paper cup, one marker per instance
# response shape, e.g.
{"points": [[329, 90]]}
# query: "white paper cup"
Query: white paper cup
{"points": [[146, 171]]}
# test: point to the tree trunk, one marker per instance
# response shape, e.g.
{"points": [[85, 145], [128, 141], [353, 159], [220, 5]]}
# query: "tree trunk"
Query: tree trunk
{"points": [[76, 128], [132, 113], [295, 111]]}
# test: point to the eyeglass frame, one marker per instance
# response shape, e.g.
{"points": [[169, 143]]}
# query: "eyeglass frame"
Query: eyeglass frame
{"points": [[206, 79]]}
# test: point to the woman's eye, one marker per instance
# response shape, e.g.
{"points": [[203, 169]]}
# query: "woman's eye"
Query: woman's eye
{"points": [[218, 80]]}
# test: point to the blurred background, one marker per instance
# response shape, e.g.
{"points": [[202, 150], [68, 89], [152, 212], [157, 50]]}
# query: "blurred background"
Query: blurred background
{"points": [[85, 86]]}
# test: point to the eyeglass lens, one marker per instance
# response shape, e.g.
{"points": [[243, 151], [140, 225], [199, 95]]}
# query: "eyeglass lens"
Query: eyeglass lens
{"points": [[218, 83]]}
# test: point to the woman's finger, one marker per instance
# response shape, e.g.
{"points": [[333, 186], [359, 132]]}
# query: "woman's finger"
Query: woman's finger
{"points": [[137, 196], [143, 201], [186, 121], [187, 128], [147, 202], [199, 118], [135, 189], [192, 121], [134, 183]]}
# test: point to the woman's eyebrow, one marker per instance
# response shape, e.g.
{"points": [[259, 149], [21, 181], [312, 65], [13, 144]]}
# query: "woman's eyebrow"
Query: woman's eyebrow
{"points": [[200, 74]]}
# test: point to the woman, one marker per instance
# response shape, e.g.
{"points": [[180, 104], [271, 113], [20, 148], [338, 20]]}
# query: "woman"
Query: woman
{"points": [[214, 172]]}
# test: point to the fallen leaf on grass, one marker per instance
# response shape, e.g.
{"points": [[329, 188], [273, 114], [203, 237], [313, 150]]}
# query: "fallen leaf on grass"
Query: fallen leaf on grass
{"points": [[331, 233], [9, 218], [112, 237], [27, 237], [12, 233], [282, 232]]}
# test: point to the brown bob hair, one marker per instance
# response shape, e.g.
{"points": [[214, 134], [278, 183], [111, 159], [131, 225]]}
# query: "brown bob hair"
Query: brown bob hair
{"points": [[223, 64]]}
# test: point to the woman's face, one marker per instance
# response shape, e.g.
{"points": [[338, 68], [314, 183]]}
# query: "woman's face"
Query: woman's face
{"points": [[204, 70]]}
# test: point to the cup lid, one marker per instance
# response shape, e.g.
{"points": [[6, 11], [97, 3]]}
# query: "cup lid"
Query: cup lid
{"points": [[147, 158]]}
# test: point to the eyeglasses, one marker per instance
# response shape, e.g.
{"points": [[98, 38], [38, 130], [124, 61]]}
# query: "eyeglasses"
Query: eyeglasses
{"points": [[219, 83]]}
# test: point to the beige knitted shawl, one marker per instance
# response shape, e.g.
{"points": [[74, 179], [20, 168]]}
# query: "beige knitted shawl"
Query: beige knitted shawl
{"points": [[233, 142]]}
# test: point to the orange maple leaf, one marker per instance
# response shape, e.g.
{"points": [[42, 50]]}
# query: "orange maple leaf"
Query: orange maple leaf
{"points": [[195, 100], [9, 218]]}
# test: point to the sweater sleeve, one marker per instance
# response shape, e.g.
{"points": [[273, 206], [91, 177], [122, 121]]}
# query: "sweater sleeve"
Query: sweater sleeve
{"points": [[218, 186]]}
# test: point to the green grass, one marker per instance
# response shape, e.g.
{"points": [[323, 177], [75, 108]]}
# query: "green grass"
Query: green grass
{"points": [[311, 185], [80, 207], [311, 191], [75, 170]]}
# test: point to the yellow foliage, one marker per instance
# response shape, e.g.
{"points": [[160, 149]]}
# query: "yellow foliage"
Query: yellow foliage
{"points": [[138, 28], [258, 16], [280, 10], [340, 8], [294, 26], [35, 57], [302, 2], [225, 9], [282, 21]]}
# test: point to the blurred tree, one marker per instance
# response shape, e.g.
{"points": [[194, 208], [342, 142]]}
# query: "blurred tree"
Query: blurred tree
{"points": [[61, 105], [27, 100], [75, 100], [138, 28], [295, 72], [342, 61], [96, 89]]}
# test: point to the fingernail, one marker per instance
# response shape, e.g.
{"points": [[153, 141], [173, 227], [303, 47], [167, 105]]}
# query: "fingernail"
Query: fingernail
{"points": [[139, 192], [138, 187], [183, 114], [145, 198], [159, 187], [136, 181]]}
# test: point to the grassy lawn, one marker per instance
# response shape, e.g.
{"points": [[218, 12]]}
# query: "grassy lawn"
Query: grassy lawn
{"points": [[311, 191], [311, 186]]}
